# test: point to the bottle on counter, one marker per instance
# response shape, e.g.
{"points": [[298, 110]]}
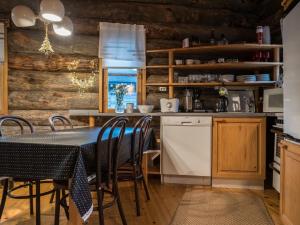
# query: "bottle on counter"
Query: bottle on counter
{"points": [[188, 101], [212, 39], [260, 34], [223, 40]]}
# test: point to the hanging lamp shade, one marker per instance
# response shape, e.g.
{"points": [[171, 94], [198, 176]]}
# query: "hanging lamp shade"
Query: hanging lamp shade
{"points": [[63, 28], [23, 16], [52, 10]]}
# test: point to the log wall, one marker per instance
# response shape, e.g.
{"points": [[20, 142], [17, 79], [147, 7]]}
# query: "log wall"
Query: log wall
{"points": [[40, 86]]}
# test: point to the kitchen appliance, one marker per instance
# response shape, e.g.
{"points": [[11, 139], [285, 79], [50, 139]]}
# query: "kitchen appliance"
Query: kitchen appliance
{"points": [[273, 100], [188, 100], [278, 137], [169, 105], [186, 149], [291, 84]]}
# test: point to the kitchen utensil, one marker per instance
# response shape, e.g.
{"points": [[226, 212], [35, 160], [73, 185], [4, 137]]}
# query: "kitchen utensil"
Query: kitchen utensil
{"points": [[145, 108], [169, 105]]}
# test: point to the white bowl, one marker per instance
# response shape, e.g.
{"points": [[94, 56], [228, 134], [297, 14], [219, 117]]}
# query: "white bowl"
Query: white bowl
{"points": [[145, 108]]}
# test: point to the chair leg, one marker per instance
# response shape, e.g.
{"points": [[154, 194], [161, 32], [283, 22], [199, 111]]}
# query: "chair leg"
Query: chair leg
{"points": [[100, 196], [121, 211], [52, 197], [4, 195], [145, 186], [38, 203], [57, 206], [136, 192], [65, 203], [30, 187]]}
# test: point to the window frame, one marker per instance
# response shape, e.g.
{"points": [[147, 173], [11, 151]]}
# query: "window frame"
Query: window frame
{"points": [[4, 71], [103, 86]]}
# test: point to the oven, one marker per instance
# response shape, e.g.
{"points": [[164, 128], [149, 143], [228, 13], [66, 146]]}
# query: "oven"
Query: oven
{"points": [[276, 160]]}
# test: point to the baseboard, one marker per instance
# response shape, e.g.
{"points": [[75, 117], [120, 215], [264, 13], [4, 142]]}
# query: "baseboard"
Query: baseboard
{"points": [[238, 183], [186, 180]]}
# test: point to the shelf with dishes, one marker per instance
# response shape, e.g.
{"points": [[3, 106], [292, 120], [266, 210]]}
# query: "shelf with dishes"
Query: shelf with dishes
{"points": [[236, 65], [219, 48], [221, 66], [212, 84]]}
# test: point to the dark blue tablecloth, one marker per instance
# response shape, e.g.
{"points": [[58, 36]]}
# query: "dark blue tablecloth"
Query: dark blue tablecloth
{"points": [[60, 155]]}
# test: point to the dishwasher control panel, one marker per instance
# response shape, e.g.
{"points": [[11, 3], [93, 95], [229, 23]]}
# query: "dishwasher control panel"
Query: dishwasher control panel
{"points": [[186, 120]]}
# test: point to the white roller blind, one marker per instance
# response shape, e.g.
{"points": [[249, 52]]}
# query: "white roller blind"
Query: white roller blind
{"points": [[122, 45]]}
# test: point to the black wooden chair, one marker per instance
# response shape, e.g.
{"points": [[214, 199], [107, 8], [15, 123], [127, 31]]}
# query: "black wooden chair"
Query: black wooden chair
{"points": [[61, 119], [133, 170], [54, 120], [105, 179], [20, 122]]}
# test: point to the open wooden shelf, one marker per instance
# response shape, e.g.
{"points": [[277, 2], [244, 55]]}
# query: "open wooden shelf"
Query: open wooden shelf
{"points": [[157, 84], [232, 68], [256, 83], [208, 84], [219, 48], [221, 66]]}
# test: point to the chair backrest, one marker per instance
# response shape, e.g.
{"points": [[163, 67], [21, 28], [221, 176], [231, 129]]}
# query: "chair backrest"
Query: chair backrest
{"points": [[62, 119], [108, 145], [140, 132], [20, 121]]}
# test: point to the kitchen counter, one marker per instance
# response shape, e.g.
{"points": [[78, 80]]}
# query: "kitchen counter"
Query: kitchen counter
{"points": [[83, 112]]}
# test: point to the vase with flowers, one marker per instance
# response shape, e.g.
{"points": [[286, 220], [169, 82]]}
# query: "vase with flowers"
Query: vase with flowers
{"points": [[120, 91], [223, 99]]}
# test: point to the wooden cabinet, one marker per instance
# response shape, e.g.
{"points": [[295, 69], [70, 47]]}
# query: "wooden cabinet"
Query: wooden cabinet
{"points": [[290, 183], [239, 148]]}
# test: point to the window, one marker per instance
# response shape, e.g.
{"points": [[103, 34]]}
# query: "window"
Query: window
{"points": [[128, 77], [122, 61]]}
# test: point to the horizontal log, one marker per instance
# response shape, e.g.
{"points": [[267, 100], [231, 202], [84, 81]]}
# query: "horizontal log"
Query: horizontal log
{"points": [[19, 80], [30, 41], [154, 99], [55, 100], [78, 7], [56, 62]]}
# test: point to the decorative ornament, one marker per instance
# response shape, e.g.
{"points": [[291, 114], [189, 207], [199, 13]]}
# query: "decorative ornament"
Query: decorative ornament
{"points": [[85, 83], [46, 47]]}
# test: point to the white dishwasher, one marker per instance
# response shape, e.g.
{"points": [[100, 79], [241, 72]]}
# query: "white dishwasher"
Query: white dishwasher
{"points": [[186, 149]]}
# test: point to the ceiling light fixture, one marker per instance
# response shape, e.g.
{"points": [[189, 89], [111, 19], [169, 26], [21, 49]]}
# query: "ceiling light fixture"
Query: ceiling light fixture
{"points": [[51, 11], [63, 28]]}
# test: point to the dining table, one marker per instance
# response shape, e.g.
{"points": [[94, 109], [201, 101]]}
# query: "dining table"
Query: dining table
{"points": [[62, 155]]}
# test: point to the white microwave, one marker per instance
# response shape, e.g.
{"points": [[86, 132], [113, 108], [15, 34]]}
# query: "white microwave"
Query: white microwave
{"points": [[273, 100]]}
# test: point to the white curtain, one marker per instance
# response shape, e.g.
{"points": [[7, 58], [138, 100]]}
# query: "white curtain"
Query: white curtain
{"points": [[122, 45], [2, 42]]}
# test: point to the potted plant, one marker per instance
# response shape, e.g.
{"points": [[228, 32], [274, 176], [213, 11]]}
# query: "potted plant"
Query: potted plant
{"points": [[120, 91]]}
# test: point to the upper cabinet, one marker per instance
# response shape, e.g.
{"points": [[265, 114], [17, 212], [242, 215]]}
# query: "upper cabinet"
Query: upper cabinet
{"points": [[239, 148], [3, 68]]}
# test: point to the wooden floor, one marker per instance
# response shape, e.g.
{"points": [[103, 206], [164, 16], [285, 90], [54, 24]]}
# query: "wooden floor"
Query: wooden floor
{"points": [[158, 211]]}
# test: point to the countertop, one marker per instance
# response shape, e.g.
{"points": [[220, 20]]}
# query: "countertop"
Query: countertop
{"points": [[87, 112]]}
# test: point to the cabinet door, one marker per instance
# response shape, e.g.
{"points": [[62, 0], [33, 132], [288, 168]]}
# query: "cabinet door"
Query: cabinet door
{"points": [[239, 148], [290, 183]]}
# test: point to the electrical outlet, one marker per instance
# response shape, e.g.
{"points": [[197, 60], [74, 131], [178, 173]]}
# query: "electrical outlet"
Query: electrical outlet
{"points": [[162, 89]]}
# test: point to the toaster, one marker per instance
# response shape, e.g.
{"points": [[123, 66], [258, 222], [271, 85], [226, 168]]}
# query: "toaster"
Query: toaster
{"points": [[169, 105]]}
